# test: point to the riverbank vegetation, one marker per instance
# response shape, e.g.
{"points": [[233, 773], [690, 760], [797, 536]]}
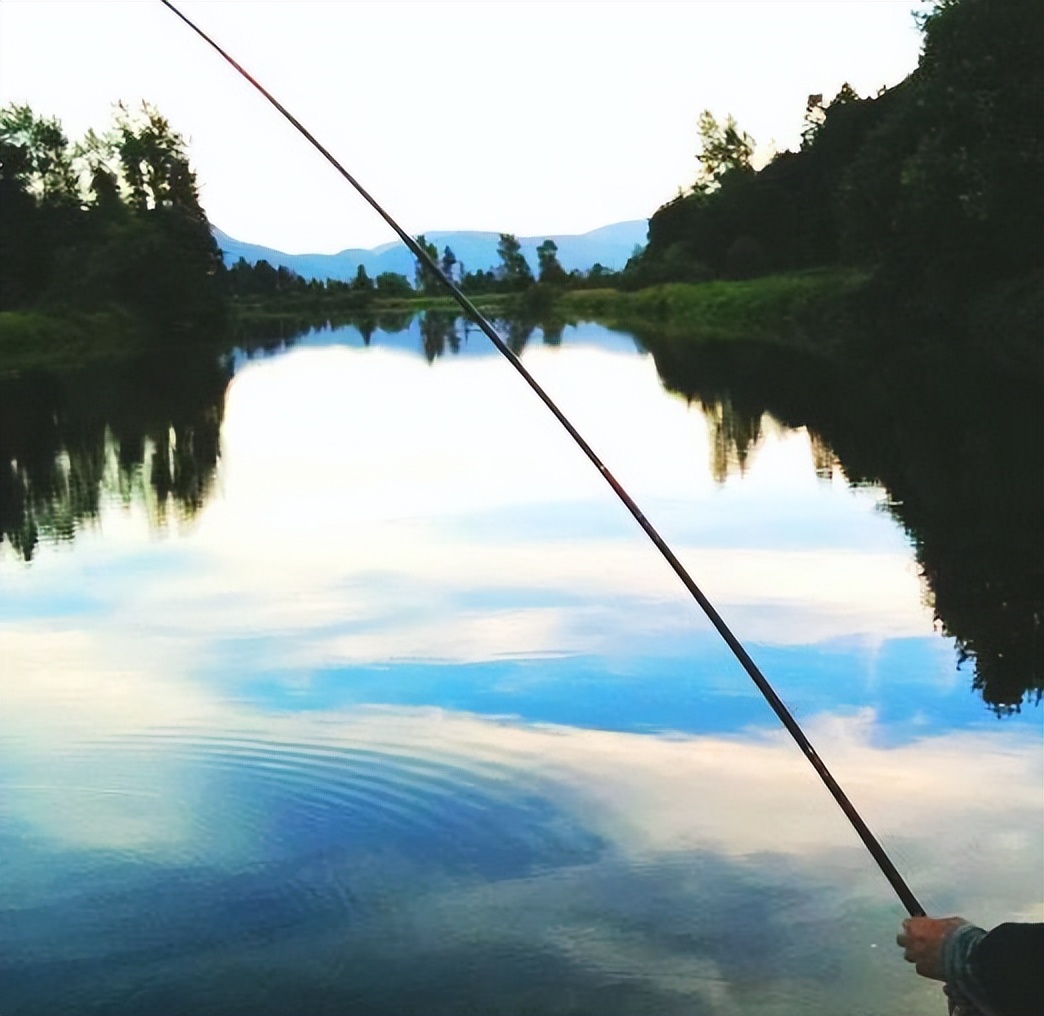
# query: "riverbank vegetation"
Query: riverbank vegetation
{"points": [[103, 243], [261, 293], [259, 289], [910, 222], [801, 309], [932, 189], [913, 218], [907, 221]]}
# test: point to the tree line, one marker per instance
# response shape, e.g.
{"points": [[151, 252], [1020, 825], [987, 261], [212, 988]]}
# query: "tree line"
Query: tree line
{"points": [[262, 281], [512, 275], [935, 185], [111, 222]]}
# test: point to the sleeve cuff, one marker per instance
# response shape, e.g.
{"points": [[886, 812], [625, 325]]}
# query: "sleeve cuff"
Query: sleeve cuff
{"points": [[958, 967]]}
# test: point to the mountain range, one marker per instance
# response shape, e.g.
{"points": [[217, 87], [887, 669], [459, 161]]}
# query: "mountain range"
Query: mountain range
{"points": [[609, 246]]}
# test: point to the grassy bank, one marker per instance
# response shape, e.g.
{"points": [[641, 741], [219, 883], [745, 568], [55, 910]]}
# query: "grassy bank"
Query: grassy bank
{"points": [[247, 312], [70, 339], [831, 311], [807, 309], [35, 339], [57, 340]]}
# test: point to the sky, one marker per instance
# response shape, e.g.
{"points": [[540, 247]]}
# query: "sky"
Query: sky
{"points": [[533, 118]]}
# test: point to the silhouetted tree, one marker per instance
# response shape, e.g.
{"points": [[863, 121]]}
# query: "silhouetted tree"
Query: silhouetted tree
{"points": [[933, 184], [514, 271], [449, 259], [947, 193], [392, 285], [425, 279], [551, 270], [724, 148], [479, 282], [39, 203], [114, 221], [362, 284]]}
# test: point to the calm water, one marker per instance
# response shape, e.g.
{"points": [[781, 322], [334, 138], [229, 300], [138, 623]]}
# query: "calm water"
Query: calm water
{"points": [[345, 686]]}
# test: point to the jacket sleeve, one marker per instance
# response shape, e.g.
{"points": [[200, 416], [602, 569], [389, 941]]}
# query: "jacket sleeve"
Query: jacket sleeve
{"points": [[1009, 966]]}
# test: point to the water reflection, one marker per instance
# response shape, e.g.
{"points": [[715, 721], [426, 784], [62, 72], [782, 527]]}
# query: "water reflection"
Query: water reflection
{"points": [[419, 860], [734, 433], [962, 456], [966, 490], [146, 430], [439, 330], [443, 331], [411, 720]]}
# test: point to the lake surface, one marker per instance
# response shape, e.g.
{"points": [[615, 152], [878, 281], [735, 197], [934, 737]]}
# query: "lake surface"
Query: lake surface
{"points": [[336, 681]]}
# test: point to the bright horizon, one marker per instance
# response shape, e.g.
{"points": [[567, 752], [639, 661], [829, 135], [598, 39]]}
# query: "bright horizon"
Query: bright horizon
{"points": [[533, 118]]}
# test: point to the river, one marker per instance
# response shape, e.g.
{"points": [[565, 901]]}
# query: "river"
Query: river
{"points": [[335, 680]]}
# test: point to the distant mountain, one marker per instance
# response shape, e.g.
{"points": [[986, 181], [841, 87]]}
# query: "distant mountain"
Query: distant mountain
{"points": [[609, 246]]}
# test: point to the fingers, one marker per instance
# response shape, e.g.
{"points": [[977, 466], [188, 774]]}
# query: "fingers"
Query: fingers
{"points": [[921, 940], [903, 940]]}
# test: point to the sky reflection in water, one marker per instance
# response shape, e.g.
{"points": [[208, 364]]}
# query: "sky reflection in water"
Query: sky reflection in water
{"points": [[410, 718]]}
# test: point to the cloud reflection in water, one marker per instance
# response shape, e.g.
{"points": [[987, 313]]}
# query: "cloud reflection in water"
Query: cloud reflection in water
{"points": [[410, 719], [572, 860]]}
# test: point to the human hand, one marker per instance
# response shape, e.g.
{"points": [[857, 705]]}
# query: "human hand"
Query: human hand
{"points": [[921, 940]]}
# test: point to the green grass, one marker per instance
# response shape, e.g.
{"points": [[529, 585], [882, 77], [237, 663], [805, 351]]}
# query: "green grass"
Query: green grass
{"points": [[486, 301], [806, 308], [65, 339], [320, 309], [34, 339]]}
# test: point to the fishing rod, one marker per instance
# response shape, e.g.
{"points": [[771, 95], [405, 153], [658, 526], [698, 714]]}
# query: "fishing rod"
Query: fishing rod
{"points": [[875, 849]]}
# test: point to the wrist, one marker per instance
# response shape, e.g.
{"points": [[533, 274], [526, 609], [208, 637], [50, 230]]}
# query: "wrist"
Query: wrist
{"points": [[957, 958]]}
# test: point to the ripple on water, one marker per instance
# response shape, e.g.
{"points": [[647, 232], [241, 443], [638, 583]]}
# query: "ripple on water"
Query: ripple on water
{"points": [[185, 840]]}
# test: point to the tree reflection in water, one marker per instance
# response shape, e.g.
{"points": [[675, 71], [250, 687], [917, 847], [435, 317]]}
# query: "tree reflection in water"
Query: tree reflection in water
{"points": [[734, 435], [439, 330], [145, 430], [961, 455]]}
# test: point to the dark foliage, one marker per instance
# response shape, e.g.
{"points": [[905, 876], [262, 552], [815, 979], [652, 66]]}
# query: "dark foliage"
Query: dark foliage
{"points": [[426, 280], [968, 495], [781, 218], [283, 290], [937, 184], [113, 221], [145, 429]]}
